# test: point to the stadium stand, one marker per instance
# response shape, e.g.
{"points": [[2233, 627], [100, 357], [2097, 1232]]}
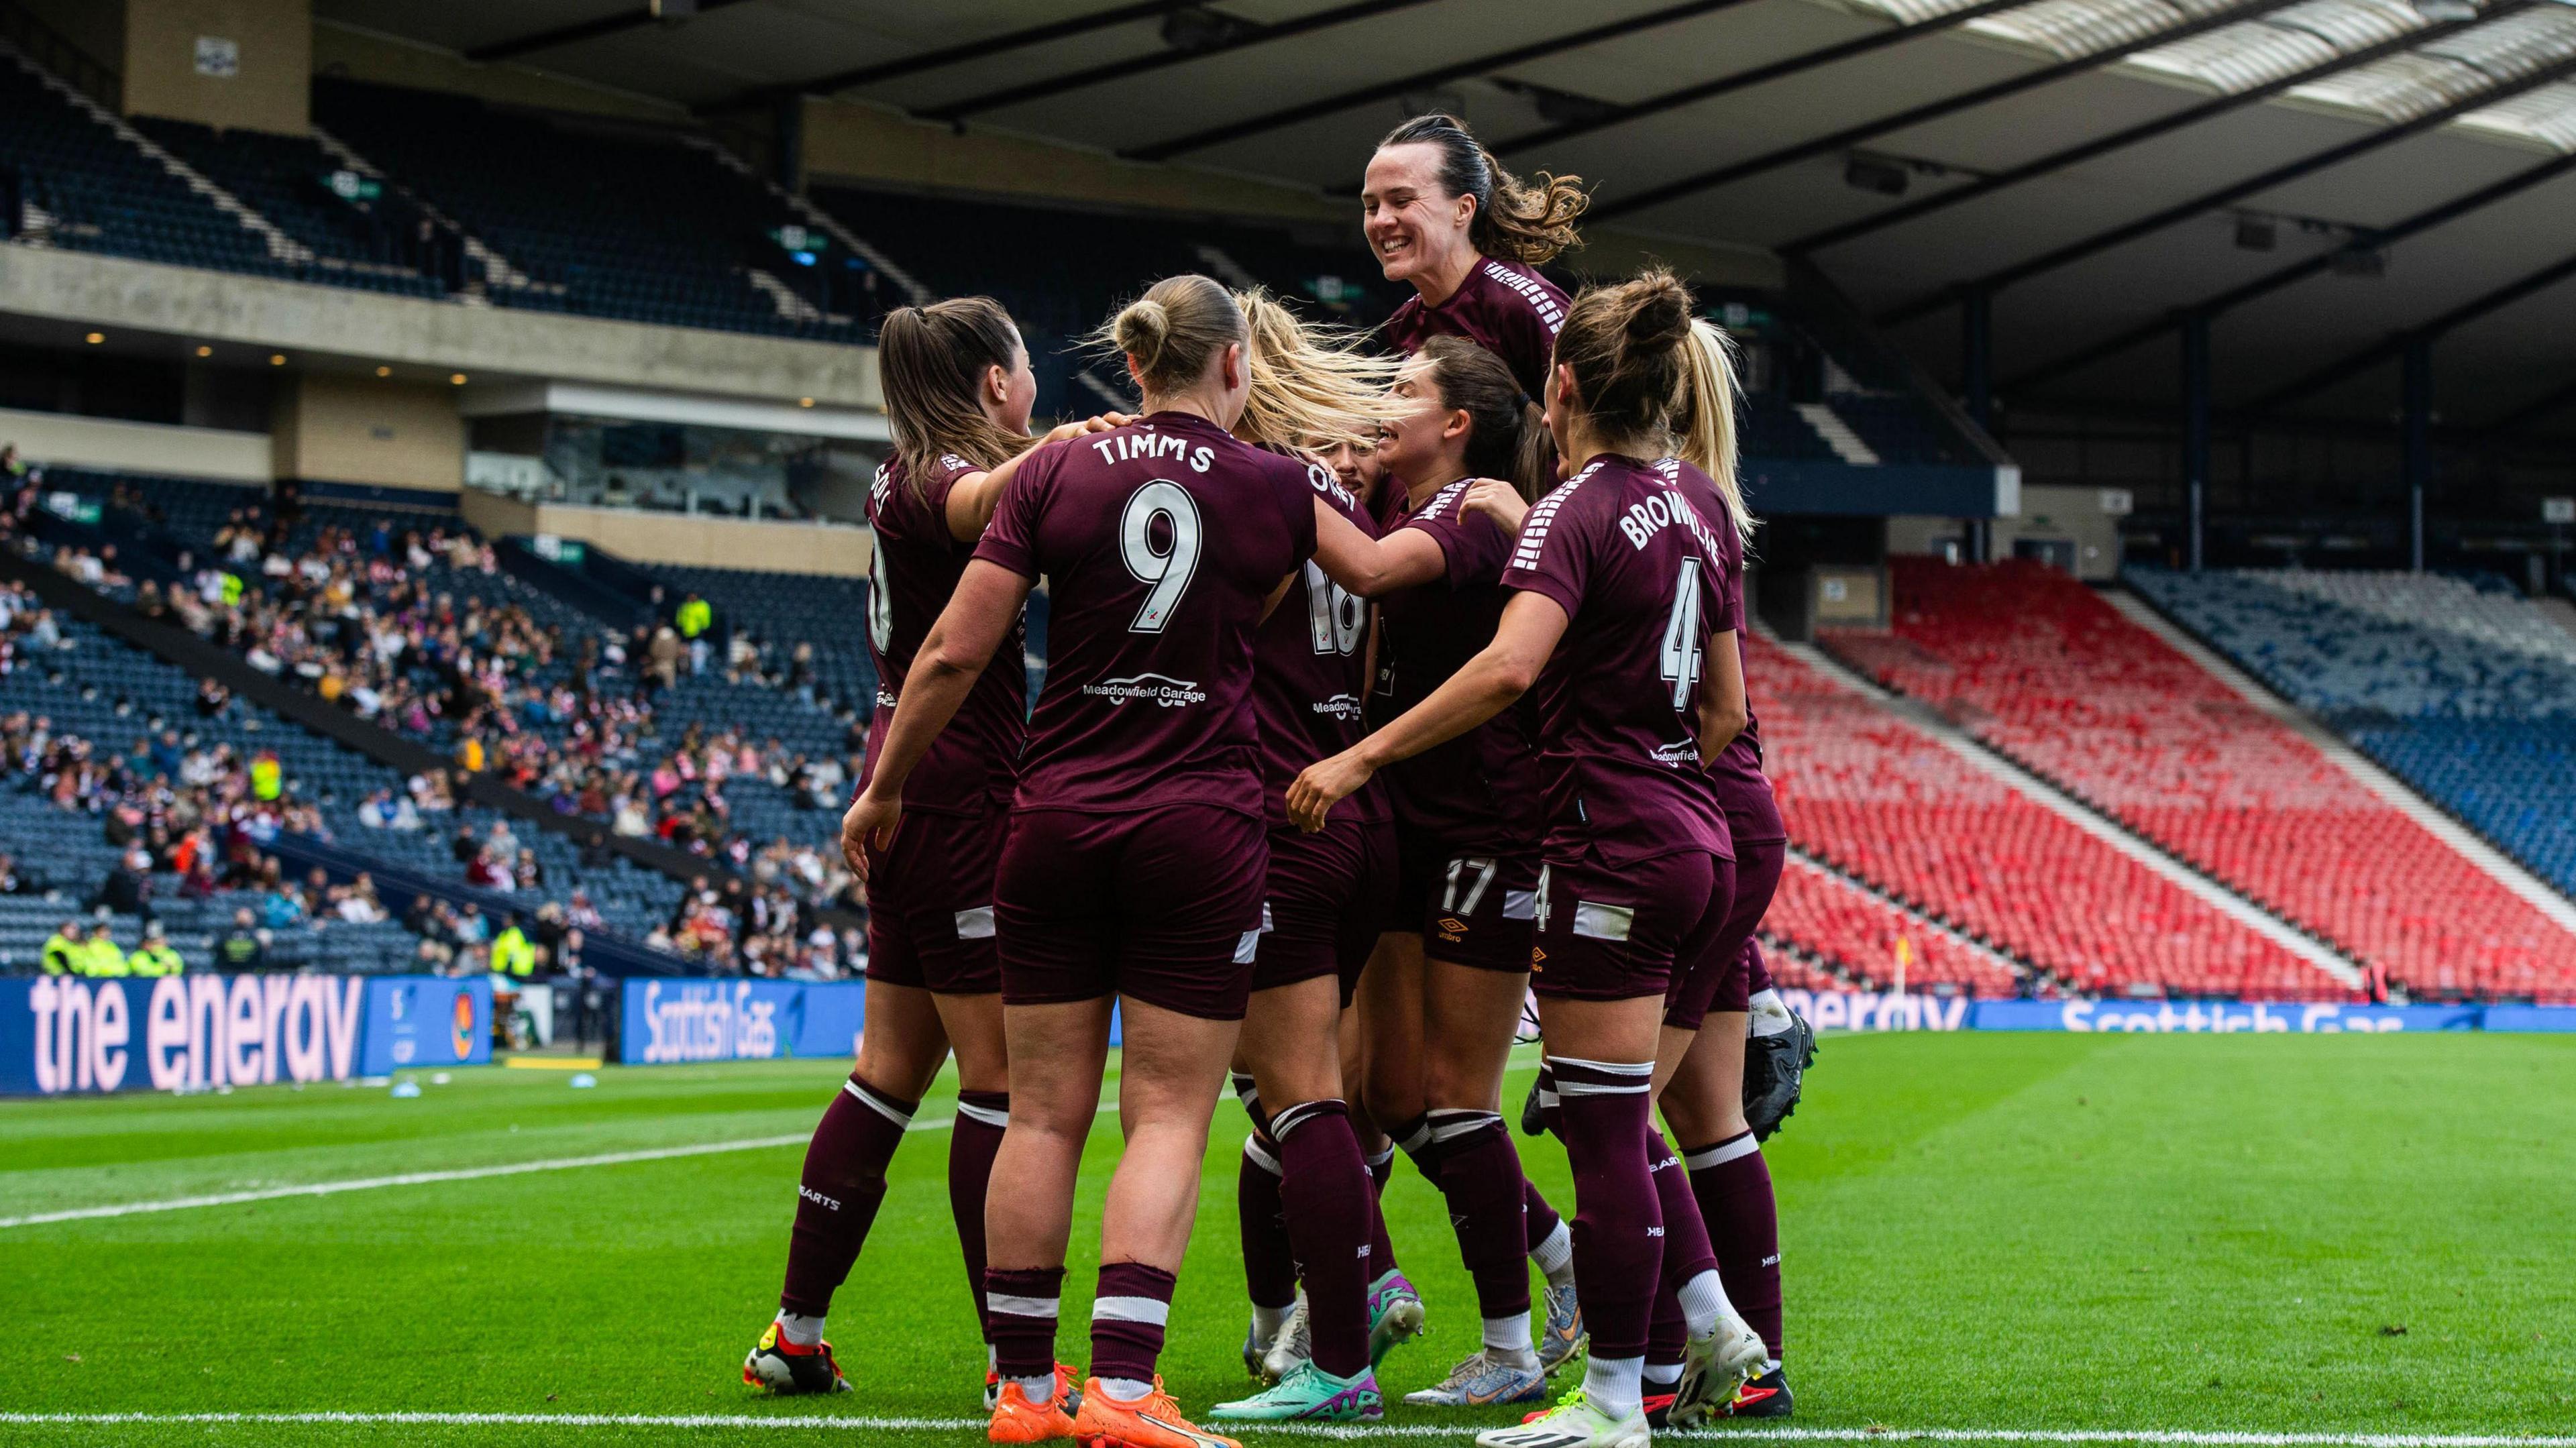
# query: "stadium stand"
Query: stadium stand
{"points": [[627, 224], [537, 746], [88, 186], [2459, 686], [1819, 919], [2036, 665], [1871, 795], [381, 244]]}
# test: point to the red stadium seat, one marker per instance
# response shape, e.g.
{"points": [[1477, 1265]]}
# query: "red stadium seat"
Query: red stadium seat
{"points": [[1880, 800], [2043, 669]]}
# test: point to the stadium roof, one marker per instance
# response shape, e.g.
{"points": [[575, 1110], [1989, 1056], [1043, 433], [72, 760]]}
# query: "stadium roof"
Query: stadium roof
{"points": [[2316, 174]]}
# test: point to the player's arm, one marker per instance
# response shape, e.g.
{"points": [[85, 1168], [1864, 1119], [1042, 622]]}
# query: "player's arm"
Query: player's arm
{"points": [[1531, 625], [978, 617], [972, 498], [1374, 567], [1723, 712]]}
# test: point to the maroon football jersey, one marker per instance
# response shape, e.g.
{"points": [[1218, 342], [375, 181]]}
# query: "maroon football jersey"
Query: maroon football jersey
{"points": [[1510, 312], [1478, 793], [972, 764], [1310, 673], [1160, 541], [1752, 813], [1627, 550]]}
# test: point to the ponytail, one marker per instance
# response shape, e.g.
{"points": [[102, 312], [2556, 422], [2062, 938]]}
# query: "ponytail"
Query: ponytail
{"points": [[1529, 222], [1704, 432], [1627, 345]]}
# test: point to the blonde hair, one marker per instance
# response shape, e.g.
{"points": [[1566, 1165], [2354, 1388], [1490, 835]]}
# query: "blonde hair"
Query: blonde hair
{"points": [[1171, 331], [1704, 429], [1312, 386]]}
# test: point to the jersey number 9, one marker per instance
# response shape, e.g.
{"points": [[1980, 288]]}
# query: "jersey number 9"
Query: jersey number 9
{"points": [[1168, 569]]}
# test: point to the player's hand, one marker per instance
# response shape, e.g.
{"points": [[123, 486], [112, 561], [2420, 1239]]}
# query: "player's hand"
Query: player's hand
{"points": [[1085, 426], [1499, 501], [1324, 784], [870, 823]]}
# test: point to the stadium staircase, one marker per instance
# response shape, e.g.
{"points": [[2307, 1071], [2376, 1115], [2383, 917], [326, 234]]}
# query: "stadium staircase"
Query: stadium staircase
{"points": [[2057, 679]]}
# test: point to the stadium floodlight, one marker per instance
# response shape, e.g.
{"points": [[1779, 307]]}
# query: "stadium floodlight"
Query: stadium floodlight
{"points": [[2256, 233], [1870, 173], [2361, 259]]}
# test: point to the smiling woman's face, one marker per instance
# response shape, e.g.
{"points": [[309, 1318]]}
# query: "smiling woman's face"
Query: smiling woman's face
{"points": [[1413, 226], [1430, 440]]}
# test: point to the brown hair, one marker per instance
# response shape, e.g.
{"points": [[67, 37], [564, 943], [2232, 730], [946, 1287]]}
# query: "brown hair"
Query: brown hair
{"points": [[1704, 431], [1312, 386], [1627, 345], [1528, 222], [930, 362], [1507, 435], [1173, 329]]}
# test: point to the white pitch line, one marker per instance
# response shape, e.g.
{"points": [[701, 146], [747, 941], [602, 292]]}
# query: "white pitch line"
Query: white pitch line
{"points": [[426, 1178], [2172, 1438]]}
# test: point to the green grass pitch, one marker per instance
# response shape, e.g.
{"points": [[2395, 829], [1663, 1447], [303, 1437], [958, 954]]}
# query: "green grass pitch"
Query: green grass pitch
{"points": [[2329, 1234]]}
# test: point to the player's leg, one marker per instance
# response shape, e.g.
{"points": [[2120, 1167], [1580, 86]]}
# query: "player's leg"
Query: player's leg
{"points": [[1732, 1184], [843, 1183], [1396, 1314], [1059, 1057], [1469, 1013], [1290, 1039], [1185, 886], [1269, 1259], [1056, 940], [974, 1027], [1610, 941]]}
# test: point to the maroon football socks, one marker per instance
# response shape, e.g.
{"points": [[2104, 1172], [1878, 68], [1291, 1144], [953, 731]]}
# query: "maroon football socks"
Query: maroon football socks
{"points": [[1128, 1315], [981, 1118], [1733, 1186], [1324, 1185], [837, 1198]]}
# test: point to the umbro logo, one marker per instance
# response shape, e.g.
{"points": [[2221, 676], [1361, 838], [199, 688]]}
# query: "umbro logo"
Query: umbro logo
{"points": [[1452, 924]]}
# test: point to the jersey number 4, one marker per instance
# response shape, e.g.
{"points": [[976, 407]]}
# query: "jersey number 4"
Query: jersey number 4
{"points": [[1169, 568], [1682, 644]]}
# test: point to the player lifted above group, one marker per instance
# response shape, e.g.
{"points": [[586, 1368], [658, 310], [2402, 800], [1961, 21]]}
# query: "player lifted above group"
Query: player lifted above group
{"points": [[1385, 690]]}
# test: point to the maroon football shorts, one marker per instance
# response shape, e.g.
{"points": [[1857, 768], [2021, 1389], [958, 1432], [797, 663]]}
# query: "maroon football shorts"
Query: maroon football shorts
{"points": [[1722, 979], [1613, 934], [1163, 905], [930, 905], [1472, 910], [1321, 906]]}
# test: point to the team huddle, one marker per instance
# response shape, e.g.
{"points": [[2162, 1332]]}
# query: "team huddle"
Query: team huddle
{"points": [[1392, 683]]}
